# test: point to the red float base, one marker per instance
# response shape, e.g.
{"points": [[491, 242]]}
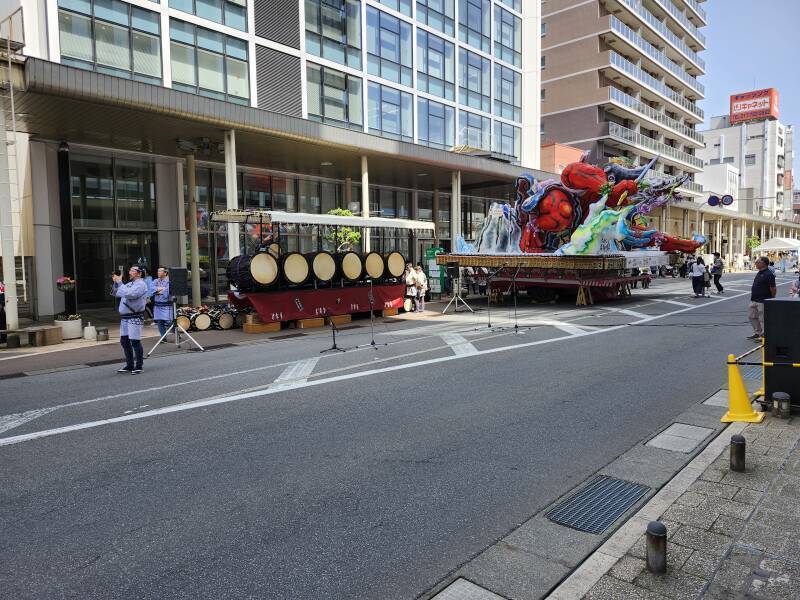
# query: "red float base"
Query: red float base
{"points": [[290, 305]]}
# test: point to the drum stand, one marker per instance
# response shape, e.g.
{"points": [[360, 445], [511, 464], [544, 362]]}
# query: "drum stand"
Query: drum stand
{"points": [[457, 297], [177, 329], [372, 344]]}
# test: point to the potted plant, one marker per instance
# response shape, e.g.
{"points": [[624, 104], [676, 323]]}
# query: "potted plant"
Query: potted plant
{"points": [[71, 326], [65, 283]]}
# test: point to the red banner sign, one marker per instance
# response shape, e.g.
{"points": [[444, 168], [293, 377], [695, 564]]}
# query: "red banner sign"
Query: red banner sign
{"points": [[289, 305]]}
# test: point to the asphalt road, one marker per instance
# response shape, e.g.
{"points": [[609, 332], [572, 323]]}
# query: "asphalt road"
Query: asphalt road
{"points": [[365, 474]]}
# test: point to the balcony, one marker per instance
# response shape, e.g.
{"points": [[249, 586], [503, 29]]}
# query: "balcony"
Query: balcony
{"points": [[656, 55], [698, 10], [628, 136], [681, 18], [649, 112], [665, 32], [641, 76]]}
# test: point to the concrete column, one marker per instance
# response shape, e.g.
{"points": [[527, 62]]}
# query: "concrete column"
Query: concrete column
{"points": [[7, 231], [455, 209], [742, 236], [729, 253], [436, 216], [685, 232], [348, 193], [181, 214], [194, 244], [365, 200], [231, 192], [718, 235]]}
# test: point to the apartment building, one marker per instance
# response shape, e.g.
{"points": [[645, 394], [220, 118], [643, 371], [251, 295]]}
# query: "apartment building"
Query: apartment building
{"points": [[621, 78], [393, 108]]}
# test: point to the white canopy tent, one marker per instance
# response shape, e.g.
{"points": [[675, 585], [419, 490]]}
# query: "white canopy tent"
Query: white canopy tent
{"points": [[778, 245], [277, 216]]}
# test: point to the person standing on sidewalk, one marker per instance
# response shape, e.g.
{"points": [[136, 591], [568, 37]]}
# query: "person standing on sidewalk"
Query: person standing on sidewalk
{"points": [[410, 279], [716, 270], [162, 302], [764, 288], [132, 299], [2, 313], [421, 282], [698, 277]]}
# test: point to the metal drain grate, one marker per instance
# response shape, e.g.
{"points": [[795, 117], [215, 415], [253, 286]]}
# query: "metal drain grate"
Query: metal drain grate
{"points": [[596, 506]]}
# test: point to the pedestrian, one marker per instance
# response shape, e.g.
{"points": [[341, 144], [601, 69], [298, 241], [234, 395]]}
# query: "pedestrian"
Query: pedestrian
{"points": [[771, 266], [682, 268], [162, 301], [698, 277], [2, 313], [410, 279], [421, 281], [716, 270], [132, 300], [764, 287]]}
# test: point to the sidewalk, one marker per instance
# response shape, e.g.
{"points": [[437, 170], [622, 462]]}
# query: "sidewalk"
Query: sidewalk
{"points": [[731, 535]]}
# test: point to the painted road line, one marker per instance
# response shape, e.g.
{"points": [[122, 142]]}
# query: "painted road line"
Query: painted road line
{"points": [[623, 311], [562, 326], [460, 345], [675, 302], [11, 421], [297, 372]]}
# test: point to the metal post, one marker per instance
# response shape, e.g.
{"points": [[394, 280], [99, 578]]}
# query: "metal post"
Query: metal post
{"points": [[656, 547], [365, 201], [738, 448], [7, 229], [436, 216], [231, 192], [193, 241]]}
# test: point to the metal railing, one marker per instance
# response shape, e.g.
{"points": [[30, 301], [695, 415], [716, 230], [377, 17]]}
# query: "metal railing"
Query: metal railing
{"points": [[698, 9], [686, 185], [652, 113], [656, 54], [618, 61], [679, 16], [638, 8], [631, 137]]}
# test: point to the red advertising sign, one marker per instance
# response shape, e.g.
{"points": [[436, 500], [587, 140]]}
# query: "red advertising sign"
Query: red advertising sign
{"points": [[290, 305], [760, 104]]}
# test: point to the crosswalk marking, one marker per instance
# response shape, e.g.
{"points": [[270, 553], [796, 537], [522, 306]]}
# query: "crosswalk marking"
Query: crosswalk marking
{"points": [[8, 422], [675, 302], [624, 311], [562, 326], [459, 344], [294, 374]]}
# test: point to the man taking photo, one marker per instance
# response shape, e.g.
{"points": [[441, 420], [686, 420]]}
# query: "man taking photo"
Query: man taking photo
{"points": [[764, 288], [132, 299]]}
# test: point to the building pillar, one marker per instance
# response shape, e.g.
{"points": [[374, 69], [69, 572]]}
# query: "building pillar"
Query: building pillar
{"points": [[231, 192], [436, 216], [729, 252], [742, 240], [7, 232], [365, 201], [348, 194], [455, 210], [194, 244], [718, 235], [685, 231], [181, 208]]}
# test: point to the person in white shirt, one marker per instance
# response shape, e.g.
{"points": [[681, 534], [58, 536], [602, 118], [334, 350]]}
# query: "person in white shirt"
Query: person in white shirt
{"points": [[421, 282], [698, 278], [410, 279]]}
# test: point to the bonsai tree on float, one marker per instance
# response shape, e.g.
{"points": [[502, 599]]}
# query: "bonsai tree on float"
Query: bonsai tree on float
{"points": [[344, 238]]}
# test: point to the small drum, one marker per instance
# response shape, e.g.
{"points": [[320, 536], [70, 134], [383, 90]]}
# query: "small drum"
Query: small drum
{"points": [[408, 304], [374, 265], [323, 266], [184, 321], [352, 266], [395, 264], [201, 321], [225, 320], [296, 270]]}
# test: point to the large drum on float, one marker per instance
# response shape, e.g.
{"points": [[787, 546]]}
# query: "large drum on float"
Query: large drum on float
{"points": [[395, 265], [248, 273], [295, 267], [323, 265], [351, 266], [374, 267]]}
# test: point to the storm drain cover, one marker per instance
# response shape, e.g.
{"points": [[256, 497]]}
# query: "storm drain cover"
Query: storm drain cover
{"points": [[596, 506]]}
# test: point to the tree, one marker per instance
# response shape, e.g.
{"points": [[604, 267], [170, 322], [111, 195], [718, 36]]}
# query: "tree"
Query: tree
{"points": [[753, 242], [344, 237]]}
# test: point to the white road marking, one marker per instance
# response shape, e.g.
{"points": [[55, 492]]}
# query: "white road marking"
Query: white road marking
{"points": [[11, 421], [562, 326], [460, 345], [7, 441], [623, 311], [297, 372], [676, 303]]}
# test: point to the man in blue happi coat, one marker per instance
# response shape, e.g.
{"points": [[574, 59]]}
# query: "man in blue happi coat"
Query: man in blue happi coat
{"points": [[132, 299], [162, 301]]}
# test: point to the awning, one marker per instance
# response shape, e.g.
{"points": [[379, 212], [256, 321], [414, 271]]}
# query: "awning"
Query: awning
{"points": [[777, 244], [278, 216]]}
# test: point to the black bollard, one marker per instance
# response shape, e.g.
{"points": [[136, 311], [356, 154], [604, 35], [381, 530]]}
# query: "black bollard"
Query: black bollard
{"points": [[656, 547], [780, 402], [738, 447]]}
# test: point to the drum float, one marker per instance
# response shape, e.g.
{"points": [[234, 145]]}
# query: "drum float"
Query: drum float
{"points": [[323, 266], [395, 264], [295, 268], [352, 266], [248, 273], [374, 265], [238, 273], [201, 321]]}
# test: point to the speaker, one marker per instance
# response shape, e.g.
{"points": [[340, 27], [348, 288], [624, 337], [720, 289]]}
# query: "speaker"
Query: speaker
{"points": [[782, 345], [178, 281], [452, 270]]}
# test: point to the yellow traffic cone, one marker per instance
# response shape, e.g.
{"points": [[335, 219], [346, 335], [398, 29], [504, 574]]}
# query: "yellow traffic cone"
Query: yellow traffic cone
{"points": [[739, 407]]}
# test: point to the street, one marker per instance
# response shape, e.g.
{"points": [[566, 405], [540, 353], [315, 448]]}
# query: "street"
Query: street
{"points": [[274, 471]]}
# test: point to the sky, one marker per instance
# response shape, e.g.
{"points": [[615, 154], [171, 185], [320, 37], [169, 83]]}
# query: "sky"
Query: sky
{"points": [[752, 44]]}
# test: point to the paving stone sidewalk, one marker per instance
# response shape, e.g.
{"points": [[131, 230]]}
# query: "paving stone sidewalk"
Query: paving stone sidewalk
{"points": [[731, 535]]}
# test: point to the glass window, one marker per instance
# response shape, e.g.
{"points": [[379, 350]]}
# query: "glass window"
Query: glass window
{"points": [[515, 4], [236, 16], [507, 93], [238, 78], [474, 23], [507, 37], [209, 9], [309, 196], [474, 80], [114, 11], [183, 64], [136, 194], [390, 112], [388, 47], [210, 71], [435, 124], [146, 55], [474, 130], [401, 6], [334, 97], [232, 13], [256, 189], [284, 196], [145, 20], [333, 30], [184, 5], [210, 40], [507, 139], [75, 35], [92, 191], [330, 196], [80, 6], [435, 65], [439, 14]]}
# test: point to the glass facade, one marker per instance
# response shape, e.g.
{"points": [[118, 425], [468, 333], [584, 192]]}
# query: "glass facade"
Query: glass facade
{"points": [[208, 63], [111, 37], [438, 14], [474, 130], [402, 6], [389, 47], [334, 97], [232, 13], [507, 93], [474, 89], [507, 36], [390, 112], [436, 124], [507, 139], [333, 30], [474, 18], [435, 65]]}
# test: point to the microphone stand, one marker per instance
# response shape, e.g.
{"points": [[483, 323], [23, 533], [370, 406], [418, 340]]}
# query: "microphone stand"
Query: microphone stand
{"points": [[489, 277], [372, 343], [334, 347]]}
